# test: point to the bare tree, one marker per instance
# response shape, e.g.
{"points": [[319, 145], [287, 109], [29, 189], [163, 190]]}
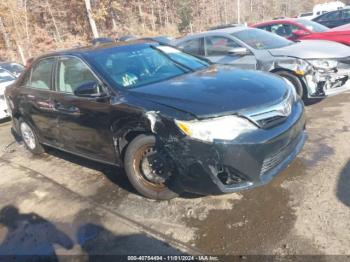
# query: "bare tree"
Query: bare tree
{"points": [[91, 18]]}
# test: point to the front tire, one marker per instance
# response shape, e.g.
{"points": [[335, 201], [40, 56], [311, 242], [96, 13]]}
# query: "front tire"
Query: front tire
{"points": [[294, 80], [149, 168], [30, 139]]}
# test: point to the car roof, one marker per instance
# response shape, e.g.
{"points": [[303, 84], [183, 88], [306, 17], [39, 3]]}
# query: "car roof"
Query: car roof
{"points": [[93, 48], [229, 30], [289, 20]]}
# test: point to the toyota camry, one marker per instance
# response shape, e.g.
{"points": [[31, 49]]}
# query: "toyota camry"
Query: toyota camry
{"points": [[174, 122]]}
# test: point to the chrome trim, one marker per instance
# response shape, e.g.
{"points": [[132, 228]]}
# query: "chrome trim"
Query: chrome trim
{"points": [[280, 110]]}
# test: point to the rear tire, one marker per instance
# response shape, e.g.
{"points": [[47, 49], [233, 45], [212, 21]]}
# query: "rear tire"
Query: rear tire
{"points": [[294, 80], [29, 138], [150, 180]]}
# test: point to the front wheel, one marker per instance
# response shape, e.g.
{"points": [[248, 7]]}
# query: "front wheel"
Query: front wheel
{"points": [[149, 168], [30, 139], [295, 81]]}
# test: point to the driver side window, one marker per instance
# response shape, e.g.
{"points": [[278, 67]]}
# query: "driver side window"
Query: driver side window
{"points": [[73, 73], [219, 45]]}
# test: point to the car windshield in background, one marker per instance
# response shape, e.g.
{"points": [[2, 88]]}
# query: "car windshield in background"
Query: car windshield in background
{"points": [[5, 76], [312, 26], [12, 67], [261, 40], [133, 66]]}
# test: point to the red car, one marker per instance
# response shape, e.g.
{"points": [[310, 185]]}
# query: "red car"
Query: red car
{"points": [[301, 29]]}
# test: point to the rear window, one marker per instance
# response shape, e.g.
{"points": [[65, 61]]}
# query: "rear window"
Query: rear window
{"points": [[312, 26], [261, 40]]}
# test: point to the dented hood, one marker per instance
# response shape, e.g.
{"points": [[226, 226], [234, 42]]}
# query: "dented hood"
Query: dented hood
{"points": [[313, 49], [218, 90]]}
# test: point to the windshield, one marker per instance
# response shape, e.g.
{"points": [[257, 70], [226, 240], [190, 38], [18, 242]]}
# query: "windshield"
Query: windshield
{"points": [[13, 67], [261, 40], [312, 26], [137, 65], [5, 76]]}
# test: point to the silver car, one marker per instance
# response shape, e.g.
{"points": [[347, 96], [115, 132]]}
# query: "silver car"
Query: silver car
{"points": [[316, 68]]}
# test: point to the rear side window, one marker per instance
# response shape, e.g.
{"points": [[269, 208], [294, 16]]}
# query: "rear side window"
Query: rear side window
{"points": [[41, 74], [219, 45], [193, 47], [72, 73]]}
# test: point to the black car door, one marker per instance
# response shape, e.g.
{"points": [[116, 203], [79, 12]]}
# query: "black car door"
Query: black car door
{"points": [[35, 100], [84, 122]]}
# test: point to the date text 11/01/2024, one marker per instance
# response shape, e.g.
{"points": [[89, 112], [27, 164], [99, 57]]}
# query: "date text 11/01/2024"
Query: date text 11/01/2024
{"points": [[173, 258]]}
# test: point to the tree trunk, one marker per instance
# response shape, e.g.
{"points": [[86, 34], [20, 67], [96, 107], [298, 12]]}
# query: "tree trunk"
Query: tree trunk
{"points": [[20, 51], [153, 17], [141, 16], [225, 11], [238, 11], [91, 18], [54, 21], [6, 38]]}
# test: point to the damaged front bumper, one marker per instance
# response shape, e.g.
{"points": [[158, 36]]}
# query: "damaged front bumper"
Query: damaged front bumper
{"points": [[250, 160], [330, 82]]}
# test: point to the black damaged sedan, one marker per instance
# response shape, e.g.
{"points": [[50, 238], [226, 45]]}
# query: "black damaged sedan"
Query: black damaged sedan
{"points": [[173, 121]]}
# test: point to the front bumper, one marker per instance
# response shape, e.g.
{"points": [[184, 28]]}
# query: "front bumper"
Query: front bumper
{"points": [[328, 83], [246, 162]]}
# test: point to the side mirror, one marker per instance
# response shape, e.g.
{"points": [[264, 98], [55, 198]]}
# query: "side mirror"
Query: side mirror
{"points": [[239, 51], [300, 33], [88, 89]]}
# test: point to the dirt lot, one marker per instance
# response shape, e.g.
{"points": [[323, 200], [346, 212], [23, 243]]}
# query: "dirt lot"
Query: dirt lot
{"points": [[69, 205]]}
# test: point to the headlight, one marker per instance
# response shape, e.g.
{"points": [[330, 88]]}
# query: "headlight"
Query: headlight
{"points": [[221, 128], [292, 89], [324, 64]]}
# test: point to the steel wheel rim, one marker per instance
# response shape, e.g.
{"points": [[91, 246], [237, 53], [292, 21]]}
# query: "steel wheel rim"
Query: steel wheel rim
{"points": [[28, 136], [138, 167]]}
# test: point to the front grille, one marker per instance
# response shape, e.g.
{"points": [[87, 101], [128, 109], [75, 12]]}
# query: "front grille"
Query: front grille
{"points": [[271, 121], [278, 157]]}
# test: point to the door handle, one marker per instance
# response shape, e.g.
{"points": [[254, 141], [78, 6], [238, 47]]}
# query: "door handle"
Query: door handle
{"points": [[66, 109]]}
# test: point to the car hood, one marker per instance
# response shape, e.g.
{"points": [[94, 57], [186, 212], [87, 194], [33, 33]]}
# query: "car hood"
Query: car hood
{"points": [[3, 85], [313, 49], [216, 91]]}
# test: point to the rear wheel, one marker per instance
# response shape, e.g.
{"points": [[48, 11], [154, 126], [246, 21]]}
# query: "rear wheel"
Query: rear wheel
{"points": [[149, 168], [294, 80], [30, 139]]}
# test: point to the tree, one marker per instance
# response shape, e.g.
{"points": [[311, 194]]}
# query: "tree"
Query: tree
{"points": [[91, 18]]}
